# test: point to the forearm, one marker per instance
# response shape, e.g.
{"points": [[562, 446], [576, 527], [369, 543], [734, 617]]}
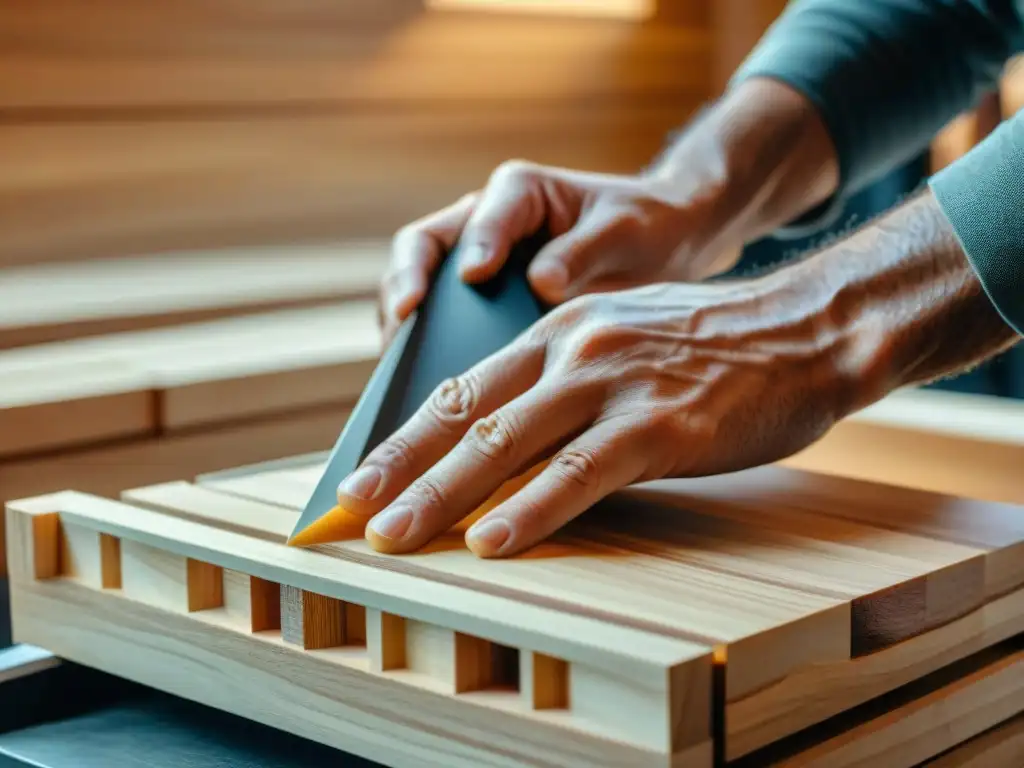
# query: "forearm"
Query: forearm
{"points": [[757, 159], [887, 75], [836, 94], [900, 303]]}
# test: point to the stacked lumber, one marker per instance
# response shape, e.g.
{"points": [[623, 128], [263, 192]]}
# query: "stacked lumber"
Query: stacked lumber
{"points": [[104, 412], [55, 302], [771, 617]]}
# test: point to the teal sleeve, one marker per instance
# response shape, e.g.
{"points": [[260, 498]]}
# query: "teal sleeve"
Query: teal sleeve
{"points": [[982, 194], [886, 75]]}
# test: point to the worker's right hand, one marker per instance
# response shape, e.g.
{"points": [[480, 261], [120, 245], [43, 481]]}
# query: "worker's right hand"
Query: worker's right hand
{"points": [[608, 232]]}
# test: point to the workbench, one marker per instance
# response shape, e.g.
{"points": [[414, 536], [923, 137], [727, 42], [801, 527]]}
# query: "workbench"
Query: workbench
{"points": [[937, 456]]}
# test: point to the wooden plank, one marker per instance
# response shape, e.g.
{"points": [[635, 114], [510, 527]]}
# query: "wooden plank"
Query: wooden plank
{"points": [[656, 669], [60, 405], [914, 723], [312, 52], [910, 580], [1001, 747], [124, 187], [110, 469], [164, 380], [44, 303], [947, 442]]}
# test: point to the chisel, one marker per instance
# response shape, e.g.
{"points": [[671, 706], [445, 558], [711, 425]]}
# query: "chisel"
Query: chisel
{"points": [[456, 325]]}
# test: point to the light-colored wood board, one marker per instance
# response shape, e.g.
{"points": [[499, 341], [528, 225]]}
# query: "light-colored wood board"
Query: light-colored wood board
{"points": [[119, 187], [314, 696], [971, 445], [45, 302], [309, 52], [504, 620], [763, 514], [917, 723], [670, 676], [61, 405], [1001, 747], [167, 379], [813, 694], [820, 517], [110, 469]]}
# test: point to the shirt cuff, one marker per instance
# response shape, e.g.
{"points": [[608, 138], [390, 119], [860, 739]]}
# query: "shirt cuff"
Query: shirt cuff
{"points": [[982, 195]]}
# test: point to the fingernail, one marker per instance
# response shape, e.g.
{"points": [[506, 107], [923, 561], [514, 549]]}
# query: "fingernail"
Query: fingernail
{"points": [[392, 523], [362, 484], [553, 276], [473, 256], [487, 537]]}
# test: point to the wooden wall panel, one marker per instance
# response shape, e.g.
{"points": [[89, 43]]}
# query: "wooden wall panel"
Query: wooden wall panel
{"points": [[220, 54], [128, 127]]}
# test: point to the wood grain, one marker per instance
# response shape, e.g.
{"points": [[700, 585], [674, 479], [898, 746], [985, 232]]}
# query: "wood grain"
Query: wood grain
{"points": [[915, 723], [142, 128], [1000, 747], [947, 442], [481, 628], [834, 570], [45, 302], [160, 381]]}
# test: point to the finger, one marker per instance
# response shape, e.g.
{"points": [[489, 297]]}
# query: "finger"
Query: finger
{"points": [[438, 425], [572, 264], [494, 450], [606, 458], [511, 208], [416, 251]]}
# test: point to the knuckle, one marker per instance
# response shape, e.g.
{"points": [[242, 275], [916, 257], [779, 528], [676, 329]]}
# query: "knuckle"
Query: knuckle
{"points": [[470, 199], [428, 494], [394, 451], [593, 344], [515, 170], [495, 437], [407, 237], [579, 467], [571, 313], [455, 400]]}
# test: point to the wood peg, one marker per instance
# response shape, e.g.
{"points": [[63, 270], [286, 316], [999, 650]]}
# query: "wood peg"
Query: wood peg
{"points": [[310, 620]]}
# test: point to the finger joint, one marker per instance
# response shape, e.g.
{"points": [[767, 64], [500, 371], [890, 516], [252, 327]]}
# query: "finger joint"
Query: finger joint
{"points": [[578, 467], [455, 400], [496, 437]]}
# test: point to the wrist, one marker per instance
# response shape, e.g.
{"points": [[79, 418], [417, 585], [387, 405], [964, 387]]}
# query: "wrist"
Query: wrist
{"points": [[757, 160], [897, 304]]}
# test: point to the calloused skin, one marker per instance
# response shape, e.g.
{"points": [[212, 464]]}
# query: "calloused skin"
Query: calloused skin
{"points": [[665, 379]]}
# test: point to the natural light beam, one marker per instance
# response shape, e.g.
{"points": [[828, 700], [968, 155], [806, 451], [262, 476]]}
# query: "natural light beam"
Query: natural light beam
{"points": [[619, 9]]}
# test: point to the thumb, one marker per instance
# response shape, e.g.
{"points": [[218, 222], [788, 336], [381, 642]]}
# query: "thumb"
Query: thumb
{"points": [[510, 208], [569, 264]]}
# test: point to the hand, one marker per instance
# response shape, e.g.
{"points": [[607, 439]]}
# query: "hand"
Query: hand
{"points": [[613, 388], [608, 232]]}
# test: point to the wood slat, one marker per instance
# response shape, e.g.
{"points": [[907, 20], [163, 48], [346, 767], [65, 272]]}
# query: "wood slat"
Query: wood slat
{"points": [[915, 723], [947, 442], [110, 469], [795, 575], [134, 187], [192, 53], [648, 667], [158, 381], [46, 303], [1000, 747]]}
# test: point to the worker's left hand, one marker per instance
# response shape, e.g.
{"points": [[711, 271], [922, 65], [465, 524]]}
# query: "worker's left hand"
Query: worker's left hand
{"points": [[616, 388]]}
